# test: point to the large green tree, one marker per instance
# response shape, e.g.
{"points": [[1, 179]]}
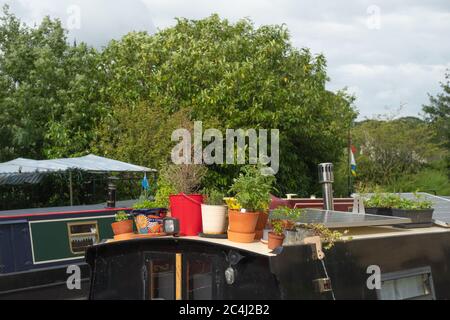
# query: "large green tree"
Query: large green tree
{"points": [[49, 95], [229, 75]]}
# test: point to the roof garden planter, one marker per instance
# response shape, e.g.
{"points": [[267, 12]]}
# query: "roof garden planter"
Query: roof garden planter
{"points": [[252, 199], [123, 224], [420, 218], [260, 225], [187, 209], [379, 211], [389, 204], [214, 213], [214, 219], [241, 237], [244, 222], [183, 182], [276, 237]]}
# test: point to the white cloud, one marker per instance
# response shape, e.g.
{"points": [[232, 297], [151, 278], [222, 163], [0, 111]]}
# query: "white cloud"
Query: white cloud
{"points": [[399, 63]]}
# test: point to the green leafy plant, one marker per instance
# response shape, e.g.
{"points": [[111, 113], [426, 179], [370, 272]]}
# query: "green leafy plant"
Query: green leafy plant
{"points": [[285, 212], [277, 227], [413, 204], [121, 216], [214, 197], [252, 189], [382, 200], [327, 236], [390, 200]]}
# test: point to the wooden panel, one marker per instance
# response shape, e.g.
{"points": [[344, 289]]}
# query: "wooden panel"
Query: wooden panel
{"points": [[178, 275]]}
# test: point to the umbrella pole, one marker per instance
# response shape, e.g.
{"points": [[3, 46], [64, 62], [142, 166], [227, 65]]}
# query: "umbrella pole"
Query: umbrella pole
{"points": [[70, 188]]}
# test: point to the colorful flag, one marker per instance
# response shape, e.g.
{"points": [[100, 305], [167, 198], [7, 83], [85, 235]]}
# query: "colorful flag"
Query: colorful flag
{"points": [[145, 184], [353, 161]]}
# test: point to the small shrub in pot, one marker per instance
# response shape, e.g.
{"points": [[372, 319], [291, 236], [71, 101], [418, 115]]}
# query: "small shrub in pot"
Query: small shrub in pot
{"points": [[276, 237], [123, 223]]}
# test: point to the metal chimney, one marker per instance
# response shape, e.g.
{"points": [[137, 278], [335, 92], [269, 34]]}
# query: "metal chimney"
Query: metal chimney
{"points": [[326, 179], [111, 202]]}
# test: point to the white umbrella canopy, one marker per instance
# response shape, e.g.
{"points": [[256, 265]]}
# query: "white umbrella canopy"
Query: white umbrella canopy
{"points": [[23, 170], [91, 163]]}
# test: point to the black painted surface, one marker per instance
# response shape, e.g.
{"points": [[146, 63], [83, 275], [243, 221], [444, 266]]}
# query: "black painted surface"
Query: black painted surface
{"points": [[289, 275], [117, 267], [46, 283]]}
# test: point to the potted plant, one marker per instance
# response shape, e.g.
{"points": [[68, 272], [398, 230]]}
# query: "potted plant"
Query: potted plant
{"points": [[252, 193], [185, 203], [288, 216], [214, 213], [123, 224], [419, 211], [380, 203], [276, 237]]}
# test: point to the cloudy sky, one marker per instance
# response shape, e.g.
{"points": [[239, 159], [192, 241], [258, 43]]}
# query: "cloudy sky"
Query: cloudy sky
{"points": [[388, 53]]}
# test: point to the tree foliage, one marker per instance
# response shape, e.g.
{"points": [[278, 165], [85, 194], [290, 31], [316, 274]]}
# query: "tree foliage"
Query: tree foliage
{"points": [[60, 100], [228, 76], [392, 149], [437, 112], [49, 101]]}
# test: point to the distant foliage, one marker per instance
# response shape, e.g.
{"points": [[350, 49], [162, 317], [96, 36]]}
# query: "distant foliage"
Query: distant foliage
{"points": [[391, 149], [437, 112]]}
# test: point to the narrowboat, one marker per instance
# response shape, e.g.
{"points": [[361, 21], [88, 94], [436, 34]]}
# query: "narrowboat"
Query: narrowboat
{"points": [[406, 263], [37, 245], [380, 257]]}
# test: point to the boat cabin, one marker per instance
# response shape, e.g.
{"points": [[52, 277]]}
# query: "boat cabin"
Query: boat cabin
{"points": [[406, 263]]}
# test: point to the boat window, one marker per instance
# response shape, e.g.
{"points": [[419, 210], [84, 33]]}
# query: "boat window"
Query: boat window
{"points": [[161, 276], [199, 277], [82, 235], [414, 284]]}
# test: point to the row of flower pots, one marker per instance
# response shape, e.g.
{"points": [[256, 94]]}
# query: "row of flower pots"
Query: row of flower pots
{"points": [[242, 218]]}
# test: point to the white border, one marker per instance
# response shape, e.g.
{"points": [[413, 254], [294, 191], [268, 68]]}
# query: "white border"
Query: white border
{"points": [[53, 220]]}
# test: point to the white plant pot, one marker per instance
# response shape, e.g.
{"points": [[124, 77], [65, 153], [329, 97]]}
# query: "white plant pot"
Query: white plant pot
{"points": [[214, 219]]}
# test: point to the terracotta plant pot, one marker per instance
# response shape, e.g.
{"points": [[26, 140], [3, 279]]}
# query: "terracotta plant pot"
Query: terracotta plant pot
{"points": [[124, 236], [214, 219], [242, 222], [275, 240], [259, 234], [261, 224], [241, 237], [121, 227]]}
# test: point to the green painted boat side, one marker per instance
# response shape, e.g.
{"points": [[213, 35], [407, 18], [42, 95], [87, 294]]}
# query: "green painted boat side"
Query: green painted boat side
{"points": [[50, 238]]}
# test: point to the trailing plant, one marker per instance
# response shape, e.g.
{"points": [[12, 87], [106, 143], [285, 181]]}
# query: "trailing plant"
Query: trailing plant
{"points": [[214, 197], [327, 236], [288, 216], [121, 216], [252, 189], [277, 227]]}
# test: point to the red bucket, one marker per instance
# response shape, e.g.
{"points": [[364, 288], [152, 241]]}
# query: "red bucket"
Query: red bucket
{"points": [[187, 209]]}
